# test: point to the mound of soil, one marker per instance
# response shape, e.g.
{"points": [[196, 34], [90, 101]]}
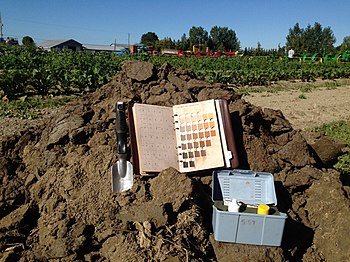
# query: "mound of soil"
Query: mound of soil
{"points": [[56, 201]]}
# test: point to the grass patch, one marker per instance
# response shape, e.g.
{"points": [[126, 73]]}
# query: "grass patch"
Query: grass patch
{"points": [[307, 88], [29, 107], [331, 87], [343, 164], [244, 91], [261, 89], [302, 96], [340, 131]]}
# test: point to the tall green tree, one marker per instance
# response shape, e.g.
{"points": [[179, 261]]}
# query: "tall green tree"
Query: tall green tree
{"points": [[223, 39], [28, 41], [312, 39], [198, 35], [294, 38], [345, 46], [183, 43], [149, 39], [164, 43], [328, 40], [259, 49]]}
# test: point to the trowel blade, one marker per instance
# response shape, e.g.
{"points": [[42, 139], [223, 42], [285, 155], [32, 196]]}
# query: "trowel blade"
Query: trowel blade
{"points": [[122, 176]]}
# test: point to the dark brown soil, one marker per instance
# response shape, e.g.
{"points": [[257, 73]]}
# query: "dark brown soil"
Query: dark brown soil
{"points": [[56, 201]]}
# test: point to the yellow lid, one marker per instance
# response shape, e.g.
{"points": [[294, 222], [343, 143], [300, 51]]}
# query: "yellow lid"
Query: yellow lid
{"points": [[263, 209]]}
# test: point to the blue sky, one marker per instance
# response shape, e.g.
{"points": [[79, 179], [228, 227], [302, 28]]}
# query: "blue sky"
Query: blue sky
{"points": [[101, 22]]}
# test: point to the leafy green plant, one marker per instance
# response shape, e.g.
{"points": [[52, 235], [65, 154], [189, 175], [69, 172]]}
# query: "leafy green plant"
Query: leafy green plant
{"points": [[302, 96], [307, 88], [343, 164], [244, 91], [339, 130], [32, 71], [331, 85]]}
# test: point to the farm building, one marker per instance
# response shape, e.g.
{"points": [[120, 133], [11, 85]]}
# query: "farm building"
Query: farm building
{"points": [[59, 45], [104, 48], [71, 44]]}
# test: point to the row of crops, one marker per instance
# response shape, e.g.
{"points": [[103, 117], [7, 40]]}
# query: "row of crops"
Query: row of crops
{"points": [[32, 71], [35, 71], [241, 71]]}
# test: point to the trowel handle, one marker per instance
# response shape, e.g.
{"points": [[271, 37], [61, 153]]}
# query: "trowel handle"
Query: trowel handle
{"points": [[121, 127]]}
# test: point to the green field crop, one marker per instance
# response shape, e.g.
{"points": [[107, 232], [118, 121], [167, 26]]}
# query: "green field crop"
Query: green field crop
{"points": [[37, 72], [31, 71], [242, 71]]}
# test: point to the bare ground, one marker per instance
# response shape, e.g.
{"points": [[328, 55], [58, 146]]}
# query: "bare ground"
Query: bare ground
{"points": [[309, 109]]}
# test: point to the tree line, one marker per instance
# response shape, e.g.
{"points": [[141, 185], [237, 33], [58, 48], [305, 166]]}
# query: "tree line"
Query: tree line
{"points": [[311, 39], [218, 39]]}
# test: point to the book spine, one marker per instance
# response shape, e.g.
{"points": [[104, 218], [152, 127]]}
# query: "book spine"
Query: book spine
{"points": [[229, 134], [176, 120], [133, 141]]}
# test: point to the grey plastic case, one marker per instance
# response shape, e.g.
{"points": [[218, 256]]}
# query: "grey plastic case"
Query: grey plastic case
{"points": [[245, 226]]}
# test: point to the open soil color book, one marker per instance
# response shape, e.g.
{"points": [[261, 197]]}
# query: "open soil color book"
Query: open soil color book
{"points": [[189, 137]]}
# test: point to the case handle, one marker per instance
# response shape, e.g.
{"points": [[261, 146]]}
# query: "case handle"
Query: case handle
{"points": [[243, 172]]}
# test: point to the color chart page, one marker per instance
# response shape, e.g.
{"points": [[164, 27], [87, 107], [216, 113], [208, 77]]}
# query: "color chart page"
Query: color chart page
{"points": [[197, 136], [155, 135]]}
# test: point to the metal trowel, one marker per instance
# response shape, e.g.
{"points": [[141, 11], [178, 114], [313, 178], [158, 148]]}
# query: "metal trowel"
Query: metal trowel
{"points": [[122, 171]]}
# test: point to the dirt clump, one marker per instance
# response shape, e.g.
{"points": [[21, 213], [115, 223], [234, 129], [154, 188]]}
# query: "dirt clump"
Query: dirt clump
{"points": [[56, 201], [328, 150]]}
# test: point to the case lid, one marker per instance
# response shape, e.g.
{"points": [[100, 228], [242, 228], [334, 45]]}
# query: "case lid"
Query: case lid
{"points": [[246, 186]]}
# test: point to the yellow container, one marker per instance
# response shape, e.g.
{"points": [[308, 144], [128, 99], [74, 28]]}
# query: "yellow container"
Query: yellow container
{"points": [[263, 209]]}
